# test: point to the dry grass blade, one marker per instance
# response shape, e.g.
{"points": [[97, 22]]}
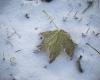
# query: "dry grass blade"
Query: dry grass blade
{"points": [[93, 48]]}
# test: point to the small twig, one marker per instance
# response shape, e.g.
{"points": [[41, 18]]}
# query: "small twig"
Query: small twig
{"points": [[97, 34], [87, 30], [16, 32], [11, 35], [90, 4], [75, 17], [8, 42], [3, 57], [79, 66], [85, 34], [13, 78], [92, 47], [17, 51], [64, 19], [66, 16], [36, 51], [27, 16], [80, 19], [46, 0], [51, 19], [69, 12]]}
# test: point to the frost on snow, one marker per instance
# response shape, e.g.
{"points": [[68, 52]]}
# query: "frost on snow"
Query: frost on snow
{"points": [[21, 22]]}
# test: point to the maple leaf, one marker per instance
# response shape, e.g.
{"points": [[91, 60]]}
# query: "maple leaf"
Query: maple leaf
{"points": [[55, 41]]}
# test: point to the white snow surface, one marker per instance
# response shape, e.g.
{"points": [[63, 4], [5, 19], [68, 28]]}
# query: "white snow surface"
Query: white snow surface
{"points": [[19, 38]]}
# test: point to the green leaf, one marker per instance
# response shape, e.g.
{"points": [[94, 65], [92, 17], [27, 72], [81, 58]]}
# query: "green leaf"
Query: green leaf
{"points": [[55, 41]]}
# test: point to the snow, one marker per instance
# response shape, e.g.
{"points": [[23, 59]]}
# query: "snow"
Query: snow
{"points": [[19, 38]]}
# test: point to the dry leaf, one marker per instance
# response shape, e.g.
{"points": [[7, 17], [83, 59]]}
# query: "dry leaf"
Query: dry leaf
{"points": [[56, 41]]}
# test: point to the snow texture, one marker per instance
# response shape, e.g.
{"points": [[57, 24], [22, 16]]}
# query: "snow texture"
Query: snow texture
{"points": [[21, 21]]}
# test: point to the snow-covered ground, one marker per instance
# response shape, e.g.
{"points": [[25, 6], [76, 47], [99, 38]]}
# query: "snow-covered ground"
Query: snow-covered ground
{"points": [[19, 37]]}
